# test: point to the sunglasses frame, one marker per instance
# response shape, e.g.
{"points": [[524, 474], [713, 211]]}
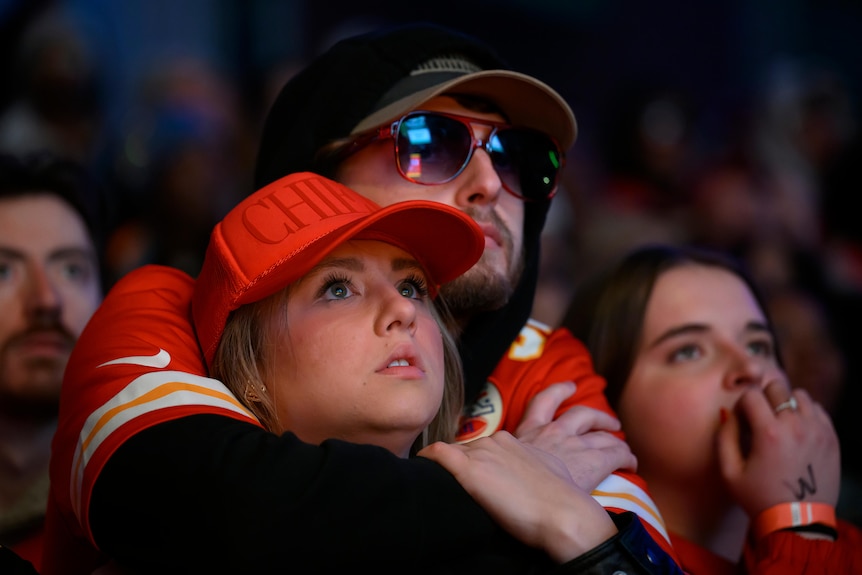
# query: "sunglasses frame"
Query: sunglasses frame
{"points": [[390, 131]]}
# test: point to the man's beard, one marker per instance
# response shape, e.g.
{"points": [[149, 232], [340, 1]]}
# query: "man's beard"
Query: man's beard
{"points": [[30, 388], [479, 290], [29, 408], [37, 396], [483, 288]]}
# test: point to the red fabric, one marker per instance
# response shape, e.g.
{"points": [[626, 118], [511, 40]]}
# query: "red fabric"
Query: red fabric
{"points": [[134, 306], [780, 553], [697, 560], [784, 552], [538, 358]]}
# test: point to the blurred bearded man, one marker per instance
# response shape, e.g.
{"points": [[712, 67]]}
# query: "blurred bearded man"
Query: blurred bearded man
{"points": [[50, 285]]}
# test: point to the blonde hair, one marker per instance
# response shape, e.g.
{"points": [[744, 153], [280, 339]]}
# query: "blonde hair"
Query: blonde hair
{"points": [[242, 357]]}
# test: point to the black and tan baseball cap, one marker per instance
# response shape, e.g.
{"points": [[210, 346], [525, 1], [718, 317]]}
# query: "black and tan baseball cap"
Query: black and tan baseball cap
{"points": [[525, 100], [368, 80]]}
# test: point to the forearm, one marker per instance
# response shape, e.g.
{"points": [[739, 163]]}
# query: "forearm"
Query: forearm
{"points": [[262, 500]]}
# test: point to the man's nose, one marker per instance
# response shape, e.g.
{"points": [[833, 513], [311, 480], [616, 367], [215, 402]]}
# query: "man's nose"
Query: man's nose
{"points": [[41, 292], [479, 183]]}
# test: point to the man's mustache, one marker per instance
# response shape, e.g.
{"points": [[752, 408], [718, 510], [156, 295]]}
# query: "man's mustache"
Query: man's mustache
{"points": [[41, 327], [486, 216]]}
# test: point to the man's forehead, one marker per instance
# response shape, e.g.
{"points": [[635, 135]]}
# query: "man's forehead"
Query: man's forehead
{"points": [[40, 219]]}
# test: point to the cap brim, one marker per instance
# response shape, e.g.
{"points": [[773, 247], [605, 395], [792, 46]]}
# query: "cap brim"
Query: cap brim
{"points": [[525, 100], [445, 241]]}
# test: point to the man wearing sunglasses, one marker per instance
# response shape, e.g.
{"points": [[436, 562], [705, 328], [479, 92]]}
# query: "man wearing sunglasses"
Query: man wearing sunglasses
{"points": [[415, 112]]}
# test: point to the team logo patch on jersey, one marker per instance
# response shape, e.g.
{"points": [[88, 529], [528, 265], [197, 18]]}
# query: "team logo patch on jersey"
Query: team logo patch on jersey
{"points": [[482, 418], [530, 343]]}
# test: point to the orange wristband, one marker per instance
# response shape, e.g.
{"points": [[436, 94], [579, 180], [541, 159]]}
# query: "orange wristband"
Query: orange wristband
{"points": [[789, 515]]}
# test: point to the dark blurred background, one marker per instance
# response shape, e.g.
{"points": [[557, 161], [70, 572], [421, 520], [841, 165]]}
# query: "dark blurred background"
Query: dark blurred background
{"points": [[731, 123]]}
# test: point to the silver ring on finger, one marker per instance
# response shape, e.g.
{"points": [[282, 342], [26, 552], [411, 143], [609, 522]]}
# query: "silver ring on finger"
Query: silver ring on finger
{"points": [[789, 404]]}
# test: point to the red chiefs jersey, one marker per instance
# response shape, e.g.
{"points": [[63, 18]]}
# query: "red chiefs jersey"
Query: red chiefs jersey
{"points": [[538, 358], [115, 388]]}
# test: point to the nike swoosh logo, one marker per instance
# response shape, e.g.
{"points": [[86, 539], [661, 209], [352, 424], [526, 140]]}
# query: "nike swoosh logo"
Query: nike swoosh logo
{"points": [[159, 360]]}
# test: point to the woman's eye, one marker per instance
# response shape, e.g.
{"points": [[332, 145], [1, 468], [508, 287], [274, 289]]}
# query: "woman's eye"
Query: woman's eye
{"points": [[413, 288], [761, 348], [685, 353], [338, 290]]}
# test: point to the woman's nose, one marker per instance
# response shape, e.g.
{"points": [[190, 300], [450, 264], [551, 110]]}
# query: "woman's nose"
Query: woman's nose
{"points": [[745, 370], [397, 312]]}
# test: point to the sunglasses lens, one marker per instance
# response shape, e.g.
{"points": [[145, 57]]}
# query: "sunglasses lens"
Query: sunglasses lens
{"points": [[527, 162], [432, 149]]}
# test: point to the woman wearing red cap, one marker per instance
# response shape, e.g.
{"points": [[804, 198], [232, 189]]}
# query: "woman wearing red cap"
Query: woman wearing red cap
{"points": [[319, 318], [314, 308]]}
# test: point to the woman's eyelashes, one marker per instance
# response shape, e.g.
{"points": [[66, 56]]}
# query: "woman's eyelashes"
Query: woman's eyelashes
{"points": [[762, 347], [687, 352], [414, 286], [338, 286]]}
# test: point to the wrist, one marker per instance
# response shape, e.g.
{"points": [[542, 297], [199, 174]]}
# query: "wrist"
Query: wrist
{"points": [[573, 538]]}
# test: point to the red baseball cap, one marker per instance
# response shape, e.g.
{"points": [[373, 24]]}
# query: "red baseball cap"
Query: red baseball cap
{"points": [[278, 234]]}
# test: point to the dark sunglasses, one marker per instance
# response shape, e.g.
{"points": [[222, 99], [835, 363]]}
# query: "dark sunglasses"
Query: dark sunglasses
{"points": [[434, 148]]}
